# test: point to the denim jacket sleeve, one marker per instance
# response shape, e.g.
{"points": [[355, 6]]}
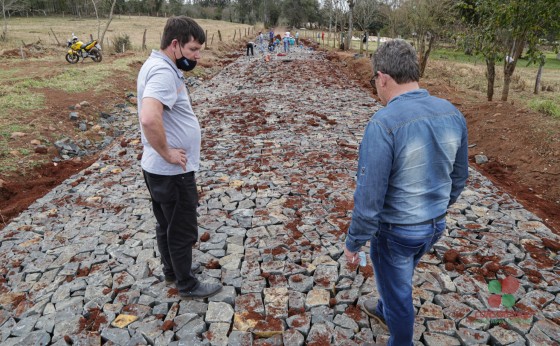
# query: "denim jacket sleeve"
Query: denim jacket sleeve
{"points": [[460, 171], [374, 167]]}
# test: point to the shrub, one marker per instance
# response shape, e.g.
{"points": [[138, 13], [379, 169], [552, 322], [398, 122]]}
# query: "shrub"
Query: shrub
{"points": [[122, 43], [547, 107]]}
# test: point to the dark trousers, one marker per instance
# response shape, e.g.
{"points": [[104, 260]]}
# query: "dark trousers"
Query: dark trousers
{"points": [[174, 202], [250, 47]]}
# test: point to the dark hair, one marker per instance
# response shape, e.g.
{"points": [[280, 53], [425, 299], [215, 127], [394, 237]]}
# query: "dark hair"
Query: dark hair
{"points": [[182, 28], [398, 59]]}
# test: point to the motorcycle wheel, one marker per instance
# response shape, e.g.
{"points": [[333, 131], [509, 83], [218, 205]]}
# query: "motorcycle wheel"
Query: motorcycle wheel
{"points": [[72, 58], [96, 55]]}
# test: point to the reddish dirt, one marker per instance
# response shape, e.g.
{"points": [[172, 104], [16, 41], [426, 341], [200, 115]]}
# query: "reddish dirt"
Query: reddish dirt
{"points": [[523, 146]]}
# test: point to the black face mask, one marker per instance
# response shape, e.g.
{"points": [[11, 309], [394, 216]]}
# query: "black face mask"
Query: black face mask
{"points": [[185, 64]]}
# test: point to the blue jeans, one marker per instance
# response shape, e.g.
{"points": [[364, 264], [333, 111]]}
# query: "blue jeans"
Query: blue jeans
{"points": [[395, 251]]}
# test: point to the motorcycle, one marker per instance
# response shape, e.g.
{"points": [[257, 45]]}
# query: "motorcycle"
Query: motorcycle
{"points": [[78, 50]]}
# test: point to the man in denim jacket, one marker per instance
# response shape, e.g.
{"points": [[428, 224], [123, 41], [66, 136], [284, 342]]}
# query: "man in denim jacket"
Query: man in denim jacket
{"points": [[413, 164]]}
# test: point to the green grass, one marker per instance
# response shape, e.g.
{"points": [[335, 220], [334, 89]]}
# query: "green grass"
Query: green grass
{"points": [[547, 107], [14, 98], [72, 79]]}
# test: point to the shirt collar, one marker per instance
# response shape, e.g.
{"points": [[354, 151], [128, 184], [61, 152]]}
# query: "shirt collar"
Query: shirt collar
{"points": [[160, 55], [413, 94]]}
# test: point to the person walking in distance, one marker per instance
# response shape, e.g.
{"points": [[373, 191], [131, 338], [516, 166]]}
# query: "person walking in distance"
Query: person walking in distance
{"points": [[412, 165], [171, 138], [250, 46]]}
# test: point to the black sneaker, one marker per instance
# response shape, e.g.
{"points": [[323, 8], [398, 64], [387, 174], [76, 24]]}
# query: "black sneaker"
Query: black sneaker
{"points": [[369, 307], [196, 268], [203, 290]]}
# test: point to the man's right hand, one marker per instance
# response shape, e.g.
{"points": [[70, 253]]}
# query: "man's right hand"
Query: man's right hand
{"points": [[177, 157]]}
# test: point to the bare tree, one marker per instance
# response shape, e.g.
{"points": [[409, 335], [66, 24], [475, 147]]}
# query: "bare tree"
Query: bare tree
{"points": [[366, 13], [428, 19], [348, 42], [7, 6], [108, 22]]}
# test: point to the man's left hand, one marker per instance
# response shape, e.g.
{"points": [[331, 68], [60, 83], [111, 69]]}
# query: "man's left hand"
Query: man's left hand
{"points": [[351, 257]]}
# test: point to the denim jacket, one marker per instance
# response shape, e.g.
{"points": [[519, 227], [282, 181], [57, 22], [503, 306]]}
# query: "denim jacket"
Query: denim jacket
{"points": [[413, 164]]}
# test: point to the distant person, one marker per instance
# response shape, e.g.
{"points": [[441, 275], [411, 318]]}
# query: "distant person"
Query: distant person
{"points": [[286, 41], [171, 138], [260, 41], [297, 38], [271, 35], [250, 46], [413, 164]]}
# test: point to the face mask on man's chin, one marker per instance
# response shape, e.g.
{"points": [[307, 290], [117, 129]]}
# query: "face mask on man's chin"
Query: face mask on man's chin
{"points": [[185, 64]]}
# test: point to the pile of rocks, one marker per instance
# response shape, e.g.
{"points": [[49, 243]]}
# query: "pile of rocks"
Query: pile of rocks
{"points": [[280, 143]]}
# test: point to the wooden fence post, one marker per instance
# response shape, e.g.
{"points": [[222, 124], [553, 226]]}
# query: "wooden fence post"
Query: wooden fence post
{"points": [[212, 39], [56, 38], [206, 41], [144, 40], [234, 34]]}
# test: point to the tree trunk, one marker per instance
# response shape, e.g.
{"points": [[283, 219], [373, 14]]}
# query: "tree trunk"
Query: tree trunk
{"points": [[426, 54], [97, 16], [4, 24], [490, 77], [348, 42], [108, 21], [538, 79], [509, 64]]}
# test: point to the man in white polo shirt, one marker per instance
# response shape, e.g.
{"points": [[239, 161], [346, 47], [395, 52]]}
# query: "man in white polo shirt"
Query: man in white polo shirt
{"points": [[171, 138]]}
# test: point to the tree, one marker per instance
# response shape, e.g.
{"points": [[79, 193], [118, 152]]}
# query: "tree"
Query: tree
{"points": [[428, 20], [367, 17], [7, 7], [348, 42], [108, 22], [482, 38], [508, 27], [299, 12]]}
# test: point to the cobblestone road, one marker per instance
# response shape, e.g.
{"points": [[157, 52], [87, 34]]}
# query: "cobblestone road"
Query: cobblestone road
{"points": [[280, 143]]}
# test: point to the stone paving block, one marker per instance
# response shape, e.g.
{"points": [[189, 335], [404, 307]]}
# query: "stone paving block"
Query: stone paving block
{"points": [[471, 336], [292, 337], [433, 339], [238, 338], [325, 277], [549, 328], [268, 326], [115, 335], [320, 334], [226, 295], [194, 326], [192, 307], [300, 283], [430, 311], [317, 297], [296, 302], [219, 312], [347, 296], [442, 327], [300, 322], [217, 334], [502, 336]]}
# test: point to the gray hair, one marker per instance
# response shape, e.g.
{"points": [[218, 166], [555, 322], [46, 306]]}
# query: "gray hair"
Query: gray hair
{"points": [[398, 59]]}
